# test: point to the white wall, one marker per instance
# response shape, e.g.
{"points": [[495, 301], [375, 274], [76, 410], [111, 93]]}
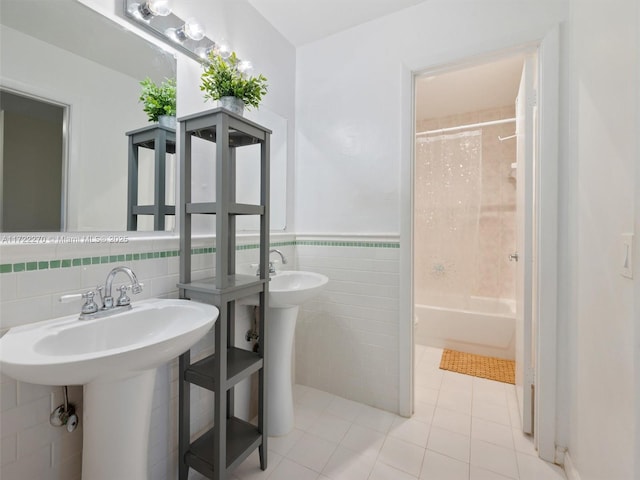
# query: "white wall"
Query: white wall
{"points": [[603, 88], [349, 102]]}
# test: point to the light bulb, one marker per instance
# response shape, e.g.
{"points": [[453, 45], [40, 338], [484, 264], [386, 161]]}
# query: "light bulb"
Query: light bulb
{"points": [[224, 51], [245, 67], [205, 52], [193, 29], [151, 8], [160, 8]]}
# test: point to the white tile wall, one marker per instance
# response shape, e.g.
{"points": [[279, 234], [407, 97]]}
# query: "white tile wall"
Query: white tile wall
{"points": [[346, 344], [31, 449], [346, 339]]}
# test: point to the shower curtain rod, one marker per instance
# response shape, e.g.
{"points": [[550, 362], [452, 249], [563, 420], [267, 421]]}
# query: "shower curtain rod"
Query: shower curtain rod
{"points": [[462, 127]]}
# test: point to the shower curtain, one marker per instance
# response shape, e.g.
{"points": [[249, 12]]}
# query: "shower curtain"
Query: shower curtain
{"points": [[448, 180]]}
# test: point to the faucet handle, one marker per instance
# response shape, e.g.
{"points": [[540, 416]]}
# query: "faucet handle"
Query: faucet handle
{"points": [[76, 296], [70, 298], [89, 305], [123, 299]]}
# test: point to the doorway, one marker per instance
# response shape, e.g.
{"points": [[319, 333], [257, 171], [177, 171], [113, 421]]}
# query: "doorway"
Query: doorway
{"points": [[545, 249], [465, 208], [472, 227]]}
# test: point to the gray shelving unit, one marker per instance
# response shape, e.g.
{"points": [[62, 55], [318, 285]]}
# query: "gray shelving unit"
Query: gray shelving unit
{"points": [[162, 140], [220, 450]]}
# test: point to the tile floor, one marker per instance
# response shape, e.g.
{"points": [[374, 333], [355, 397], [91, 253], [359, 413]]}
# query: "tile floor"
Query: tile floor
{"points": [[464, 428]]}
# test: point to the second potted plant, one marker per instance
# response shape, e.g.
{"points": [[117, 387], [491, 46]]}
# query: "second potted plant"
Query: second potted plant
{"points": [[159, 101], [227, 81]]}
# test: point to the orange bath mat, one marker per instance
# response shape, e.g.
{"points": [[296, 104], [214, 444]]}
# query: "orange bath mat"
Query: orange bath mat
{"points": [[479, 366]]}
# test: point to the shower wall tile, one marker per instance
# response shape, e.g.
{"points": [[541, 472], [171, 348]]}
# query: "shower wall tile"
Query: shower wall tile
{"points": [[492, 273]]}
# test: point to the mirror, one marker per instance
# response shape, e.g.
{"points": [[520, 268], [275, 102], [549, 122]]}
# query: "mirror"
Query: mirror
{"points": [[63, 53]]}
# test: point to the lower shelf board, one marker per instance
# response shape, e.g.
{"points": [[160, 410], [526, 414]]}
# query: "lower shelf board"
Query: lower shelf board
{"points": [[242, 439], [240, 365]]}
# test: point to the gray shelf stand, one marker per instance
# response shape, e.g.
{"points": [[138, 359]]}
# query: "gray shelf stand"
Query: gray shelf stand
{"points": [[161, 140], [216, 453]]}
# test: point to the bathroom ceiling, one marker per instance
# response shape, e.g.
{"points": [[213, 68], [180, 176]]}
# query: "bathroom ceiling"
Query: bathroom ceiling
{"points": [[305, 21], [480, 87]]}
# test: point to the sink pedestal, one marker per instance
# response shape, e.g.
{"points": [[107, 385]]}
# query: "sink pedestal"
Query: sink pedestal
{"points": [[282, 326], [116, 422]]}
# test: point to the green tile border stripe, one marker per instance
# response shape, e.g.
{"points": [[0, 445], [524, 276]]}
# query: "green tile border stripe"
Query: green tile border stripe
{"points": [[347, 243], [83, 261]]}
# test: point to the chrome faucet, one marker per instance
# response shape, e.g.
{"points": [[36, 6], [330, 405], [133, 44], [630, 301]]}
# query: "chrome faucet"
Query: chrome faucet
{"points": [[275, 250], [91, 309], [123, 299], [272, 268]]}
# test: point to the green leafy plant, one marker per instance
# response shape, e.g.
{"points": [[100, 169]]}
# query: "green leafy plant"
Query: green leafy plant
{"points": [[225, 78], [158, 99]]}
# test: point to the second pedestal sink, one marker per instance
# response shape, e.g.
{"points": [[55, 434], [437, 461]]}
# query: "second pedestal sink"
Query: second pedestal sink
{"points": [[115, 358], [291, 288], [287, 291]]}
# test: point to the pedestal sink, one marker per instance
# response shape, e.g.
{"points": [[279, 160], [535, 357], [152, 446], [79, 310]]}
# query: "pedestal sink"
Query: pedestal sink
{"points": [[115, 358], [287, 291]]}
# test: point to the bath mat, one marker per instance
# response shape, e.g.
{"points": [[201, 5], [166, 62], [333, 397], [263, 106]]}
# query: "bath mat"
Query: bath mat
{"points": [[479, 366]]}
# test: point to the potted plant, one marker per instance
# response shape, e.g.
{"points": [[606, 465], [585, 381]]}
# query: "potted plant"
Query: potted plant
{"points": [[228, 81], [159, 101]]}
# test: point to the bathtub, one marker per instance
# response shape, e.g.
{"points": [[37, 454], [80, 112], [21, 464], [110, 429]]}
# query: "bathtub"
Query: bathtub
{"points": [[485, 326]]}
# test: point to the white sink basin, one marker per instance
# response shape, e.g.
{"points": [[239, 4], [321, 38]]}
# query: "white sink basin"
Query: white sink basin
{"points": [[291, 288], [115, 359], [68, 351]]}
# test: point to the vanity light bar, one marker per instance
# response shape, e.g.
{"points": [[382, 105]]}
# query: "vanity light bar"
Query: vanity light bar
{"points": [[155, 17]]}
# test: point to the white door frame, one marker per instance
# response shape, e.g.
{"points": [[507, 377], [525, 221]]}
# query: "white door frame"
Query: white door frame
{"points": [[546, 212]]}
